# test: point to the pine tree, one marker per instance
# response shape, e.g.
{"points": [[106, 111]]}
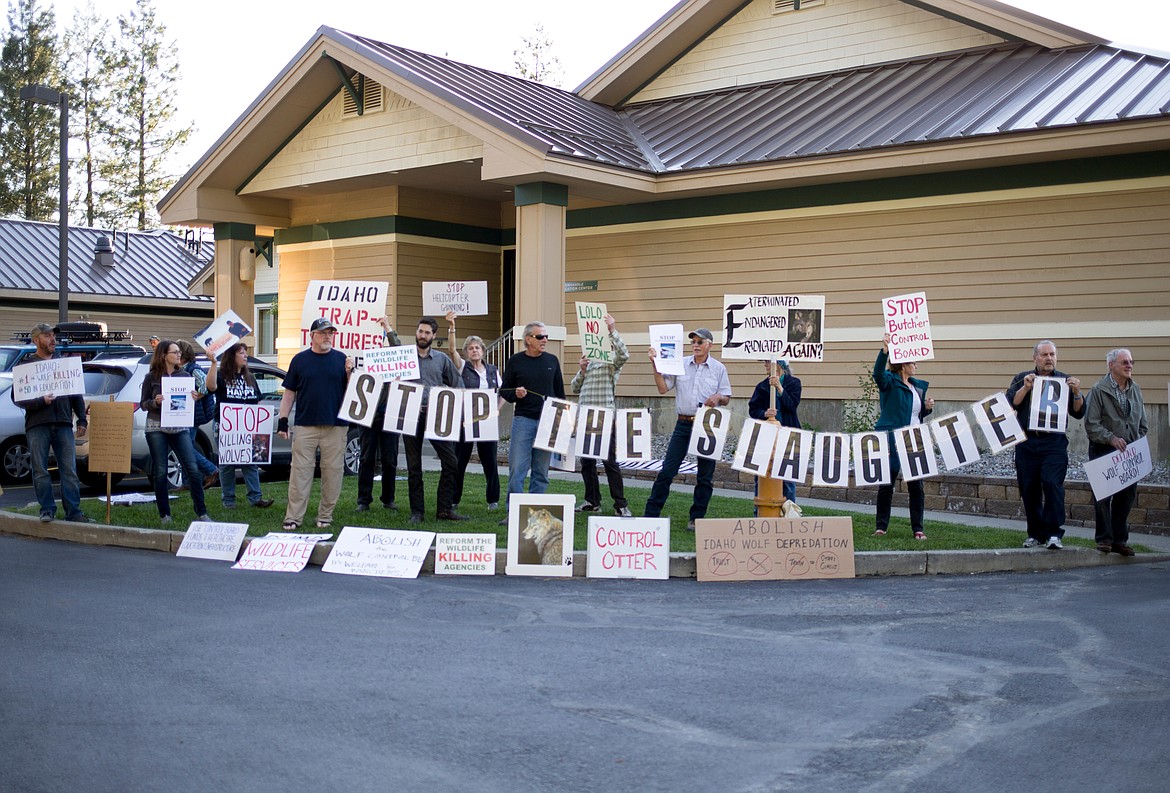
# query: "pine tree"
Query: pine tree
{"points": [[29, 133], [535, 59], [138, 129], [86, 48]]}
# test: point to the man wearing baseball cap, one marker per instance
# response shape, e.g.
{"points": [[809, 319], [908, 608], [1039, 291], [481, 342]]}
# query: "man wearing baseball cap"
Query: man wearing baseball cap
{"points": [[703, 383], [315, 384]]}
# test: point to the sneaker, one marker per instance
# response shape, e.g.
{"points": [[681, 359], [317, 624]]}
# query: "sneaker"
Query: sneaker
{"points": [[587, 507], [503, 522], [204, 517], [1105, 547], [48, 517], [1054, 543], [623, 512], [416, 517], [452, 515], [166, 520], [492, 507], [230, 506], [264, 503], [363, 508], [1031, 542], [691, 524], [390, 506], [81, 517]]}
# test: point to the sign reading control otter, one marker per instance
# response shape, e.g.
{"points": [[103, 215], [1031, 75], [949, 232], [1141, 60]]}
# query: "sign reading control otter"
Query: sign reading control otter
{"points": [[628, 548], [770, 549], [771, 327]]}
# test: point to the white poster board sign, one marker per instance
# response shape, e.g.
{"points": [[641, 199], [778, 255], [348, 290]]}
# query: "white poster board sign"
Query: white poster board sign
{"points": [[908, 323], [831, 460], [794, 452], [392, 363], [594, 430], [628, 548], [595, 342], [955, 440], [403, 406], [670, 345], [774, 327], [1048, 405], [465, 554], [753, 454], [211, 540], [871, 458], [226, 330], [997, 419], [916, 452], [381, 553], [279, 553], [633, 435], [709, 433], [465, 298], [554, 433], [245, 433], [360, 402], [56, 376], [444, 414], [481, 415], [178, 404], [1115, 472], [354, 307]]}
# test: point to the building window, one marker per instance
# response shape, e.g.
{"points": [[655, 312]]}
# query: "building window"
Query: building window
{"points": [[265, 331]]}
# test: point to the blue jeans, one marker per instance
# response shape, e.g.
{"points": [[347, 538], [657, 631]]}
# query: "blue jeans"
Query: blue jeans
{"points": [[705, 480], [180, 442], [59, 437], [227, 483], [206, 467], [522, 458]]}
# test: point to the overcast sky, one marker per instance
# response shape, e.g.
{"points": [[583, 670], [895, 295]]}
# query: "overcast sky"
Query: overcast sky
{"points": [[229, 50]]}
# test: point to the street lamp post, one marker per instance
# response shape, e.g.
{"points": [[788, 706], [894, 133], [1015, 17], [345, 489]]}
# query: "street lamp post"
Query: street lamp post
{"points": [[43, 95]]}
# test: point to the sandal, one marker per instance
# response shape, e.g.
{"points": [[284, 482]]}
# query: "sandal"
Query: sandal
{"points": [[880, 533], [919, 535], [324, 524], [290, 525]]}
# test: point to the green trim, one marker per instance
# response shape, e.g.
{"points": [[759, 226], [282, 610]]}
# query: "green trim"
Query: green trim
{"points": [[264, 298], [354, 94], [234, 231], [542, 193], [390, 224], [1098, 169]]}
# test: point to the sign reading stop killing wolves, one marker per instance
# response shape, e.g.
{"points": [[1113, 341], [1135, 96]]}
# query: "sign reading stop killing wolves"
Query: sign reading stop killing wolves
{"points": [[774, 327]]}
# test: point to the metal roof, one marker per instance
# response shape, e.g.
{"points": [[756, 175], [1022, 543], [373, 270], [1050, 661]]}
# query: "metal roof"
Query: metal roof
{"points": [[149, 265]]}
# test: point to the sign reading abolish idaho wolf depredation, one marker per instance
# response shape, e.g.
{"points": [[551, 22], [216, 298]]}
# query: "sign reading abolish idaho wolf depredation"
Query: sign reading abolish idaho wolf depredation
{"points": [[57, 376], [908, 323], [1118, 470], [773, 327], [768, 549], [354, 307], [466, 298], [383, 553], [245, 434], [595, 342]]}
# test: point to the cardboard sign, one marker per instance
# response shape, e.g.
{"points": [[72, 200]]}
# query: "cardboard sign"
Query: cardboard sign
{"points": [[481, 415], [380, 553], [628, 548], [540, 534], [245, 433], [444, 414], [353, 306], [997, 419], [871, 458], [709, 433], [392, 363], [361, 399], [465, 554], [279, 553], [670, 344], [773, 549], [831, 460], [595, 342], [1048, 405], [753, 454], [1115, 472], [554, 433], [774, 327], [178, 404], [908, 323], [403, 406], [633, 435], [916, 452], [594, 430], [794, 452], [56, 376], [228, 329], [211, 540], [955, 440], [465, 298], [111, 425]]}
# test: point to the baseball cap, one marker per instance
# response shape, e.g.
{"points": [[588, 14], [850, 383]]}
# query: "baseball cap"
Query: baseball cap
{"points": [[702, 333], [322, 324]]}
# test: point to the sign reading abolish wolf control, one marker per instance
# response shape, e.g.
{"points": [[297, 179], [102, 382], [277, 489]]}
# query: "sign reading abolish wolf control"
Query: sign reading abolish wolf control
{"points": [[466, 298], [770, 549], [628, 548], [383, 553], [595, 342], [57, 376], [770, 327], [354, 307], [908, 323], [245, 434]]}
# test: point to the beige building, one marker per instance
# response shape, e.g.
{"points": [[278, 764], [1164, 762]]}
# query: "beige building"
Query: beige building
{"points": [[1016, 170]]}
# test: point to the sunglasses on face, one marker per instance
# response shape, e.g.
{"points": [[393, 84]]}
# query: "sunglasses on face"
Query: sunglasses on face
{"points": [[539, 336]]}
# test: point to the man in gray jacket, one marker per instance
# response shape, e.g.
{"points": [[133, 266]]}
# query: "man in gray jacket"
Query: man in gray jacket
{"points": [[1115, 418]]}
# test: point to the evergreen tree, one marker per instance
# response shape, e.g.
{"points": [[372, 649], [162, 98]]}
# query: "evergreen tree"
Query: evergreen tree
{"points": [[86, 48], [29, 132], [139, 130], [536, 61]]}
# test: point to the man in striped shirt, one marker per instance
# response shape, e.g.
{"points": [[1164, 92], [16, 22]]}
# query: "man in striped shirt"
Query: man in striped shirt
{"points": [[596, 383]]}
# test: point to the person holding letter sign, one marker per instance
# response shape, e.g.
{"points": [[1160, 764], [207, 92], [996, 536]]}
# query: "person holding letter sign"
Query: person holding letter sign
{"points": [[903, 403], [48, 424], [704, 382], [475, 373], [596, 382], [1042, 460], [378, 444], [1114, 418], [238, 386], [777, 396]]}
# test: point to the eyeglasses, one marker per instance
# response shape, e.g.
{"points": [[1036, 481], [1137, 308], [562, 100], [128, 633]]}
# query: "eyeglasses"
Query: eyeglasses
{"points": [[539, 336]]}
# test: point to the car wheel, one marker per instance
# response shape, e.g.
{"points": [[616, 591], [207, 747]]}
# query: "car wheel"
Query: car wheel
{"points": [[16, 460], [353, 454], [174, 470]]}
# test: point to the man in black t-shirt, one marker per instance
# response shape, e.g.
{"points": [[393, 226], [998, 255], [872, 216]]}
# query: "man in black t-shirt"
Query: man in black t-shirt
{"points": [[530, 377]]}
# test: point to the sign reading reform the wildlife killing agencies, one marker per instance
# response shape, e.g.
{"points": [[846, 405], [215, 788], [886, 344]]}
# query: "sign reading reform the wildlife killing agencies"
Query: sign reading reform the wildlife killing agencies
{"points": [[774, 327]]}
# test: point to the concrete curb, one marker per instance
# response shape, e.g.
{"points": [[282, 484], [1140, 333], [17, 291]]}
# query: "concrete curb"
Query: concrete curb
{"points": [[682, 565]]}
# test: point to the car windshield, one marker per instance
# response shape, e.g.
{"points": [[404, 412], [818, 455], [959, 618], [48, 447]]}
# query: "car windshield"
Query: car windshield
{"points": [[102, 382], [8, 357]]}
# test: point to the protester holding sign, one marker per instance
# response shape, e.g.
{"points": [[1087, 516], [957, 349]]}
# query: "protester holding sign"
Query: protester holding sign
{"points": [[703, 383], [167, 361], [48, 424], [1114, 418], [1042, 460], [238, 387], [596, 382], [903, 403], [777, 396], [475, 373], [379, 445], [205, 407]]}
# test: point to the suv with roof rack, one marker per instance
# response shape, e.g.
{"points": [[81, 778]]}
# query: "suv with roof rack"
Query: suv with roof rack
{"points": [[86, 340]]}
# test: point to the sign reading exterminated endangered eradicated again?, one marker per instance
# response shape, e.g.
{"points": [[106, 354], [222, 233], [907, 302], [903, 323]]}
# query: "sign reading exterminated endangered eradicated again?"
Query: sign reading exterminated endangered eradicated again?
{"points": [[774, 327]]}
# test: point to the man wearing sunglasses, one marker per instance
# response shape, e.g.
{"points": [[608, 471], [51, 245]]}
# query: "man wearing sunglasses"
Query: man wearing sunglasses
{"points": [[529, 377]]}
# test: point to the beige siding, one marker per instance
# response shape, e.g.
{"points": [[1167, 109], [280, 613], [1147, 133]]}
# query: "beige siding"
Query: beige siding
{"points": [[333, 147], [450, 208], [350, 205], [418, 263], [756, 46], [21, 320]]}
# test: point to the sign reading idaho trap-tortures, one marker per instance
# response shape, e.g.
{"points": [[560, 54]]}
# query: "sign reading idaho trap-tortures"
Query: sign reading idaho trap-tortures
{"points": [[774, 327], [765, 549], [354, 308]]}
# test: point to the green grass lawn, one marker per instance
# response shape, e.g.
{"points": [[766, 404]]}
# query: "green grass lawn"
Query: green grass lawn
{"points": [[942, 536]]}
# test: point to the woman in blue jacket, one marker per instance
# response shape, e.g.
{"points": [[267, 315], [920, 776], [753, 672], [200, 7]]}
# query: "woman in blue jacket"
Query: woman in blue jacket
{"points": [[904, 403]]}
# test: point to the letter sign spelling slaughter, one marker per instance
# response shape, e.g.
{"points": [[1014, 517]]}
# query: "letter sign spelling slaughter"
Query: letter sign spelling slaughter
{"points": [[794, 451], [444, 415], [633, 435], [481, 415], [908, 323], [245, 434], [997, 419], [1048, 408], [403, 406], [871, 459], [956, 442], [753, 454], [709, 433], [361, 399], [916, 452], [831, 460], [594, 429], [555, 430], [595, 342], [770, 327], [354, 307]]}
